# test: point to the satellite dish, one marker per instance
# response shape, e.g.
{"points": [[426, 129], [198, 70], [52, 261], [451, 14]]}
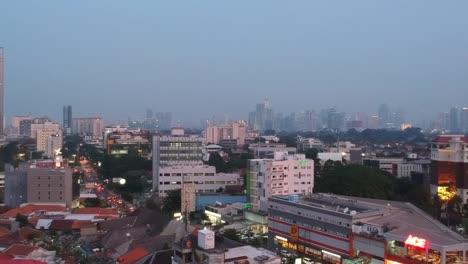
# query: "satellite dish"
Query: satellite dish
{"points": [[346, 210]]}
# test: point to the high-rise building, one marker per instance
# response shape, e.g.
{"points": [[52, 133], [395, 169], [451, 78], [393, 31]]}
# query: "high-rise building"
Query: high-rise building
{"points": [[464, 120], [262, 118], [454, 120], [16, 182], [40, 123], [88, 126], [176, 149], [2, 114], [67, 119], [384, 115], [164, 120], [236, 131], [48, 140], [336, 121], [284, 174], [16, 123]]}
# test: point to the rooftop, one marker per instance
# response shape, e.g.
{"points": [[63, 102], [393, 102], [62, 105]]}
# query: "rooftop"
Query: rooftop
{"points": [[253, 255], [20, 250], [447, 138], [32, 208], [133, 255], [96, 211]]}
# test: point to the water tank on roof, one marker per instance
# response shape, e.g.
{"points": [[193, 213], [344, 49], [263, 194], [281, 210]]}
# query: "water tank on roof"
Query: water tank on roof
{"points": [[293, 198]]}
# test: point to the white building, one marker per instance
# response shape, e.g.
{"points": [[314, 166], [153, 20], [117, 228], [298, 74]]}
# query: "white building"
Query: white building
{"points": [[45, 126], [284, 174], [204, 178], [45, 142], [407, 168], [54, 143], [268, 150], [176, 149]]}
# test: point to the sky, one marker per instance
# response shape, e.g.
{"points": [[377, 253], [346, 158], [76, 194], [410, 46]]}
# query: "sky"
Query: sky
{"points": [[115, 58]]}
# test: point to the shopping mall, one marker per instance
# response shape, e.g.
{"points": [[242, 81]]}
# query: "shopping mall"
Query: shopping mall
{"points": [[339, 229]]}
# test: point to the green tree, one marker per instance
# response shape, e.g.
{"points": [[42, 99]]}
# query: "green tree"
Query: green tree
{"points": [[172, 202], [232, 234], [217, 161], [22, 220], [312, 153], [127, 196]]}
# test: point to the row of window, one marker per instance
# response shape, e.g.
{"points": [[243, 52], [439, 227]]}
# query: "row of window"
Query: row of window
{"points": [[305, 233], [39, 198], [198, 182], [185, 174], [307, 214], [48, 185]]}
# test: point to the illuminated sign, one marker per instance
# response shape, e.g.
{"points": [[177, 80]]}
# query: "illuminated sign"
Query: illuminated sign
{"points": [[415, 242], [294, 232]]}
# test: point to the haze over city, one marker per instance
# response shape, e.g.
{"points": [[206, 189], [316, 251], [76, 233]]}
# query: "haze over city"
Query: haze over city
{"points": [[197, 58]]}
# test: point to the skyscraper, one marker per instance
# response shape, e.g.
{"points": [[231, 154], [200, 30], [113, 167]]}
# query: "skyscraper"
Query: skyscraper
{"points": [[464, 120], [67, 119], [1, 93], [384, 115], [454, 120]]}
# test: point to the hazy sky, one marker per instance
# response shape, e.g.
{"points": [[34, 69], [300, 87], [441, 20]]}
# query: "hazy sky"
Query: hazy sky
{"points": [[198, 58]]}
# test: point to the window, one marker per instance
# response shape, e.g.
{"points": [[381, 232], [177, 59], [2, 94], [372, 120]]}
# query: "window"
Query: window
{"points": [[39, 185]]}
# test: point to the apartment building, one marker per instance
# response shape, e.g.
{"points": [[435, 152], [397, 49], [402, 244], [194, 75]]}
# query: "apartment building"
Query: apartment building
{"points": [[284, 174]]}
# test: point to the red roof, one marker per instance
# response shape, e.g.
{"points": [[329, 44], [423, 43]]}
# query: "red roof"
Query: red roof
{"points": [[32, 208], [133, 255], [96, 211], [4, 231], [4, 257], [19, 250], [447, 138], [22, 261], [25, 232]]}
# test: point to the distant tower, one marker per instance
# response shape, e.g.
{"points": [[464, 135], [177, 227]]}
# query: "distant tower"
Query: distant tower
{"points": [[2, 114], [67, 119], [384, 115], [454, 117]]}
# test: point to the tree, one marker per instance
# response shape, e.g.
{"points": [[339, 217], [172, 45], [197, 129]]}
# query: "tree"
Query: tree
{"points": [[127, 196], [22, 220], [232, 234], [312, 153], [217, 161], [172, 202]]}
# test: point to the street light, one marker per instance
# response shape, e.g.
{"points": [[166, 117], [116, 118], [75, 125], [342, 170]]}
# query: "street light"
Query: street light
{"points": [[122, 181]]}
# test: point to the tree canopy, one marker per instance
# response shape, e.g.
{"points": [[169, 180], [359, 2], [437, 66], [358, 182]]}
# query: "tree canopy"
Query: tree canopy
{"points": [[172, 202]]}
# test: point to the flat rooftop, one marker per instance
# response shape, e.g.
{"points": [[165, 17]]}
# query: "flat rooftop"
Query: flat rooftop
{"points": [[400, 219], [330, 202], [253, 254]]}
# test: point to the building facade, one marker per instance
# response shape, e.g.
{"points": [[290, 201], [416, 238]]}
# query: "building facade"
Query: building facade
{"points": [[49, 185], [176, 149], [449, 164], [236, 131], [15, 123], [48, 140], [16, 181], [338, 229], [67, 119], [88, 126], [282, 175], [204, 178], [2, 114], [40, 123]]}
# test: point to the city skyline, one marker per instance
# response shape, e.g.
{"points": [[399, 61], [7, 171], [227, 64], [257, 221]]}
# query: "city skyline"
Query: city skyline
{"points": [[197, 59]]}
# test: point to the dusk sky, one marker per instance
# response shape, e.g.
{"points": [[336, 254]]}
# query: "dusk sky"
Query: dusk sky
{"points": [[199, 58]]}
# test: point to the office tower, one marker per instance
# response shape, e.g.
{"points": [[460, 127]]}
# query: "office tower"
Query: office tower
{"points": [[384, 115], [454, 120], [67, 119], [176, 149], [149, 113], [164, 120], [336, 121], [262, 118], [464, 120], [2, 114]]}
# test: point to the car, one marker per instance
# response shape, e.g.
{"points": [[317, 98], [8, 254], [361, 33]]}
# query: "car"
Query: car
{"points": [[284, 260], [307, 261]]}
